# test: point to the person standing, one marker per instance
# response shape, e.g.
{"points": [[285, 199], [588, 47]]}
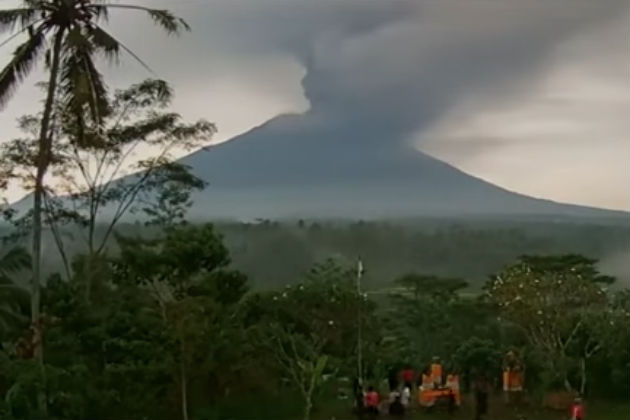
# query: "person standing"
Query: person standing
{"points": [[425, 397], [408, 376], [392, 379], [481, 390], [393, 395], [577, 409], [405, 396], [371, 402], [436, 372], [396, 408], [452, 382]]}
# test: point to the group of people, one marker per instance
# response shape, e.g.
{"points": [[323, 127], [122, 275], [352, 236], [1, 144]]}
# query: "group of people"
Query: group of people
{"points": [[430, 386], [371, 404], [396, 405]]}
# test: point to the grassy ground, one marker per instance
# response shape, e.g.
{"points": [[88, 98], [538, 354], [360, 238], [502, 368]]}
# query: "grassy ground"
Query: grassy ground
{"points": [[288, 406], [598, 410]]}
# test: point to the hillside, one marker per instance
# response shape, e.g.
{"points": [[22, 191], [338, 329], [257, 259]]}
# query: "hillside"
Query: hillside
{"points": [[293, 166], [311, 166]]}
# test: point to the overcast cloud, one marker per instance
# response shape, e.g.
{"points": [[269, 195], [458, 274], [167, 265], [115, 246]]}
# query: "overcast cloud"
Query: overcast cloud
{"points": [[531, 95]]}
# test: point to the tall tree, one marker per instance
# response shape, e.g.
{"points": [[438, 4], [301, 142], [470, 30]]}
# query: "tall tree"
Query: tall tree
{"points": [[429, 317], [93, 180], [186, 274], [311, 328], [559, 305], [74, 28]]}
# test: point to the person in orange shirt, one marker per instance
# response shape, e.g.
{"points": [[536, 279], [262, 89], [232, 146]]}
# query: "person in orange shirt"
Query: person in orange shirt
{"points": [[436, 371], [425, 398], [506, 380], [452, 382], [513, 377]]}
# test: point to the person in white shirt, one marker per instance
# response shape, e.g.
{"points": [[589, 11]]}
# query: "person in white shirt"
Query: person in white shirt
{"points": [[405, 396]]}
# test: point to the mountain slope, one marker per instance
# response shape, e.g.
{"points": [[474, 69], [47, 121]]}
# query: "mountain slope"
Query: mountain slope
{"points": [[296, 166]]}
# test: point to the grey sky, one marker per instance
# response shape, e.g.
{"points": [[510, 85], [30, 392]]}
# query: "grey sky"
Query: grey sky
{"points": [[531, 95]]}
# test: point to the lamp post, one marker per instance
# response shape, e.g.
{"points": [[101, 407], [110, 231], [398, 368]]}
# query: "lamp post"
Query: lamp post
{"points": [[359, 338]]}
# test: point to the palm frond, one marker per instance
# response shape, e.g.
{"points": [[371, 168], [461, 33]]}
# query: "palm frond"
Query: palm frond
{"points": [[10, 18], [104, 42], [16, 259], [171, 23], [13, 294], [137, 58], [97, 99], [16, 34], [81, 84], [100, 12], [20, 65], [131, 53], [10, 315], [167, 20], [13, 306], [37, 4], [11, 318]]}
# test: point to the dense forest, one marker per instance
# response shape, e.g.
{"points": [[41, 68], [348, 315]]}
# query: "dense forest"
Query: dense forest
{"points": [[275, 253], [166, 327]]}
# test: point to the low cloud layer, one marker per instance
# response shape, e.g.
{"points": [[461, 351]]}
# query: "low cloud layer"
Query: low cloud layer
{"points": [[488, 85]]}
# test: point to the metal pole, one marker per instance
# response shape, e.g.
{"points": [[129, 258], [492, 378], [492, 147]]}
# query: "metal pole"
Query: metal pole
{"points": [[359, 338]]}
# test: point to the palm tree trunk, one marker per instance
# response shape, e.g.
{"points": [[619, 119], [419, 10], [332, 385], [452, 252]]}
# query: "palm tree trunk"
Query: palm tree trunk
{"points": [[43, 159]]}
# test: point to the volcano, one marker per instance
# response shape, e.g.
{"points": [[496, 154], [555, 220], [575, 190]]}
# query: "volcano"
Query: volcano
{"points": [[304, 166]]}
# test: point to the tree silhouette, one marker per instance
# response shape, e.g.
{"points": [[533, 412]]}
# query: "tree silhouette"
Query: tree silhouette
{"points": [[73, 27]]}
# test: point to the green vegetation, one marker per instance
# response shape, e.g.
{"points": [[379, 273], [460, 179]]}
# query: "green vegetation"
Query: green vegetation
{"points": [[172, 331]]}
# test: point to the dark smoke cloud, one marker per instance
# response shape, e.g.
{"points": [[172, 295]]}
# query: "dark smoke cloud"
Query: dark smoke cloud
{"points": [[364, 59], [408, 72]]}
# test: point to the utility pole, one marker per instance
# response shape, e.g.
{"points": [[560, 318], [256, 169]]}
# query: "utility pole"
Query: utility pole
{"points": [[359, 338]]}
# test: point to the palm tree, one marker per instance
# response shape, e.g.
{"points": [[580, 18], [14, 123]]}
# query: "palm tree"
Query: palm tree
{"points": [[67, 33]]}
